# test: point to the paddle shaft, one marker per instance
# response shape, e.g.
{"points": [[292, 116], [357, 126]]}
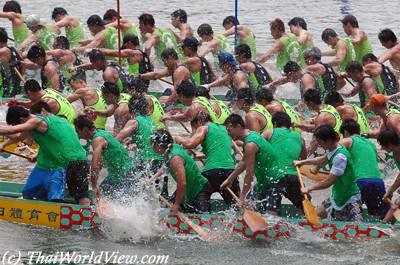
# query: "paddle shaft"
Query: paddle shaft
{"points": [[301, 181], [16, 154], [20, 76]]}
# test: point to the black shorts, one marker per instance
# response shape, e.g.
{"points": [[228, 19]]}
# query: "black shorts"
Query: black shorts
{"points": [[201, 203], [216, 177], [271, 198], [77, 175]]}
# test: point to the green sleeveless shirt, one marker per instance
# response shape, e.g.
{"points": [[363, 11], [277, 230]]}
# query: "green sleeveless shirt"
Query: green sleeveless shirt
{"points": [[251, 42], [361, 119], [338, 121], [350, 56], [66, 109], [75, 35], [225, 112], [204, 102], [20, 34], [100, 121], [267, 116], [364, 155], [362, 49], [157, 113], [289, 52]]}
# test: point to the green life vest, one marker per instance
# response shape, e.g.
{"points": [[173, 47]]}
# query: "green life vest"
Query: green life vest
{"points": [[124, 98], [392, 111], [59, 145], [20, 34], [362, 49], [344, 186], [66, 109], [225, 112], [115, 157], [350, 56], [251, 42], [195, 181], [144, 151], [266, 167], [338, 121], [386, 82], [167, 40], [259, 77], [289, 144], [264, 112], [291, 51], [361, 119], [206, 103], [157, 113], [75, 35], [303, 48], [217, 147], [364, 155], [100, 121], [46, 37]]}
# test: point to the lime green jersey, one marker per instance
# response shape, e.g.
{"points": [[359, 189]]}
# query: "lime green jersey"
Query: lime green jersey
{"points": [[338, 120], [46, 37], [75, 35], [350, 55], [290, 51], [100, 121], [362, 49], [20, 34], [264, 112], [158, 112], [206, 103], [251, 42], [66, 109]]}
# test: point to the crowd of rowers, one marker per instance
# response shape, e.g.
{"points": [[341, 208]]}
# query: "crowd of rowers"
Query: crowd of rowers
{"points": [[269, 131]]}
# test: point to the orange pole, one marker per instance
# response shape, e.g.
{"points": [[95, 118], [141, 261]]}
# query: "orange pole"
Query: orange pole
{"points": [[119, 32]]}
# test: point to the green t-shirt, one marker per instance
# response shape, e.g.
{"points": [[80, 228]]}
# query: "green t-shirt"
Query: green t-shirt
{"points": [[75, 35], [291, 51], [364, 155], [195, 181]]}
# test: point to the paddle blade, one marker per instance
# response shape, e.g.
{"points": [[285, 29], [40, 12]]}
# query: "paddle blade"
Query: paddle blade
{"points": [[306, 171], [198, 229], [396, 214], [311, 213], [254, 220]]}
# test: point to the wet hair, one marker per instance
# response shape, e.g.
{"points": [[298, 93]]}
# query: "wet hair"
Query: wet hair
{"points": [[180, 14], [169, 53], [62, 41], [326, 133], [36, 52], [110, 88], [235, 120], [354, 66], [277, 24], [83, 121], [291, 67], [15, 113], [265, 94], [96, 55], [186, 89], [147, 19], [12, 6], [370, 56], [162, 138], [32, 85], [387, 35], [350, 126], [246, 94], [314, 52], [202, 92], [95, 20], [138, 106], [76, 77], [228, 20], [298, 21], [328, 33], [313, 95], [136, 84], [58, 11], [131, 38], [201, 117], [281, 119], [333, 98], [388, 136], [39, 106], [110, 14], [205, 29], [243, 49], [350, 19], [3, 35]]}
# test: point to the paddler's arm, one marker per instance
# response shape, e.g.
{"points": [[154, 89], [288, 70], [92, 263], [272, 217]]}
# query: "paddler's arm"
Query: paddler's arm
{"points": [[277, 82], [304, 126], [84, 66], [24, 127], [302, 39], [15, 139], [387, 55], [324, 184], [74, 96], [104, 113], [240, 167], [278, 45], [33, 37], [392, 189], [304, 153], [251, 122], [353, 92], [150, 43], [98, 145], [155, 75], [195, 140], [330, 52], [320, 161], [97, 41], [340, 54], [211, 46], [177, 165], [218, 82], [130, 127], [359, 38], [250, 151], [63, 22], [180, 117], [52, 73]]}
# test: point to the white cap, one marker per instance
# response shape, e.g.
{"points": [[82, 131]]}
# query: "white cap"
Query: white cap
{"points": [[34, 20]]}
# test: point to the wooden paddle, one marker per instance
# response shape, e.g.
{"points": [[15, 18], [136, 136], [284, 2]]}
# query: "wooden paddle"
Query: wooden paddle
{"points": [[198, 229], [308, 172], [16, 154], [253, 219], [308, 208]]}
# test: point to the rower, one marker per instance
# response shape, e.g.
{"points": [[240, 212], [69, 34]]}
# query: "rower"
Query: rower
{"points": [[258, 75], [298, 27], [139, 129], [257, 118], [244, 34], [201, 70], [128, 28], [259, 160], [160, 38], [389, 40], [286, 46], [50, 74], [12, 12], [265, 98], [117, 105], [217, 147], [10, 82], [384, 77], [359, 39], [179, 21], [74, 30], [41, 33], [348, 111], [186, 92], [193, 190], [91, 98], [366, 170], [59, 105], [221, 109], [345, 202], [60, 158], [365, 86], [307, 79], [341, 48], [214, 43], [109, 153], [390, 142]]}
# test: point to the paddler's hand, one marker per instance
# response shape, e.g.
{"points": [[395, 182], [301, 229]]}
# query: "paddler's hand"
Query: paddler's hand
{"points": [[305, 190], [165, 117], [33, 159], [388, 197], [96, 192], [225, 184], [179, 139], [175, 208], [297, 163], [206, 86]]}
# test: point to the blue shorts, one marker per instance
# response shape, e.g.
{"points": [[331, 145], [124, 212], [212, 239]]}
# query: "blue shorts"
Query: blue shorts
{"points": [[372, 191], [45, 184]]}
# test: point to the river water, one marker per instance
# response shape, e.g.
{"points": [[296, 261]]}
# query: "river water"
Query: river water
{"points": [[136, 236]]}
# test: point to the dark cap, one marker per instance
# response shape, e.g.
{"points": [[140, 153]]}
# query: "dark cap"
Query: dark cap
{"points": [[95, 20], [190, 42], [225, 57]]}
